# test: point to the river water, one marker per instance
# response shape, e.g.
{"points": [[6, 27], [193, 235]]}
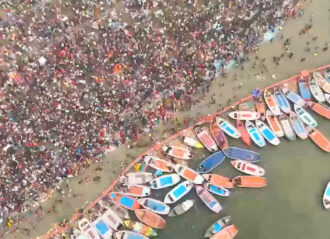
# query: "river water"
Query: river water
{"points": [[297, 172]]}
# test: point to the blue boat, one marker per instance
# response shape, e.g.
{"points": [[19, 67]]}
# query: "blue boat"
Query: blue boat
{"points": [[294, 97], [178, 192], [217, 226], [102, 228], [254, 133], [221, 191], [211, 162], [165, 181], [228, 128], [298, 126], [242, 154], [268, 134], [304, 89], [282, 102], [155, 206]]}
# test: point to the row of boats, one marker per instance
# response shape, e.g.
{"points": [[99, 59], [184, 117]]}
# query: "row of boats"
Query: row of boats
{"points": [[281, 112]]}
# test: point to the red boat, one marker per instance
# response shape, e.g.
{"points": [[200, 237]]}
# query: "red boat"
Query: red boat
{"points": [[320, 109], [218, 135], [245, 137]]}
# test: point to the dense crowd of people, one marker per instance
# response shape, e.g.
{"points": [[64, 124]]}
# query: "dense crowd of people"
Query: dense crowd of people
{"points": [[78, 78]]}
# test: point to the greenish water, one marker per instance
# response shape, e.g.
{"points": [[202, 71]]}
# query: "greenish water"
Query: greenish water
{"points": [[289, 207]]}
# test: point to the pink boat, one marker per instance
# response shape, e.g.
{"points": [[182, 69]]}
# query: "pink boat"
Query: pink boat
{"points": [[205, 138], [208, 199]]}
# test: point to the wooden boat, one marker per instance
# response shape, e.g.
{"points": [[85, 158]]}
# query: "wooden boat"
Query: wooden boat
{"points": [[192, 142], [286, 126], [318, 138], [245, 137], [140, 228], [88, 229], [304, 89], [320, 109], [208, 199], [151, 219], [229, 232], [178, 192], [221, 191], [326, 197], [158, 164], [205, 138], [136, 191], [321, 81], [165, 181], [242, 154], [305, 116], [125, 201], [268, 134], [217, 226], [260, 106], [218, 180], [181, 208], [119, 210], [211, 162], [129, 235], [255, 135], [298, 126], [293, 97], [244, 115], [228, 128], [189, 174], [248, 168], [271, 103], [250, 181], [282, 102], [274, 124], [327, 98], [154, 205], [102, 228], [136, 178], [177, 152], [111, 218], [218, 135], [316, 90]]}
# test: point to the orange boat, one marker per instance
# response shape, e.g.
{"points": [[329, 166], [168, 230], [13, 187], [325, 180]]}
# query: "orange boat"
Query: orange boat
{"points": [[245, 137], [218, 135], [151, 219], [318, 138], [125, 201], [228, 232], [320, 109], [218, 180], [250, 181], [260, 106]]}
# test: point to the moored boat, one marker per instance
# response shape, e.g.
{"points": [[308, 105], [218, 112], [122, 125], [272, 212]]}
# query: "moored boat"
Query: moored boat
{"points": [[304, 89], [177, 152], [326, 197], [229, 232], [217, 226], [298, 126], [205, 138], [136, 191], [119, 210], [102, 228], [244, 115], [305, 116], [320, 109], [286, 126], [260, 106], [319, 139], [267, 133], [178, 192], [188, 174], [293, 97], [248, 168], [321, 81], [218, 180], [228, 128], [125, 201], [218, 135], [316, 90], [181, 208], [221, 191], [151, 219], [274, 124], [282, 102], [165, 181], [129, 235], [254, 133], [136, 178], [245, 137], [157, 163], [242, 154], [250, 181], [140, 228], [192, 142], [88, 229], [208, 199], [327, 98], [211, 162], [154, 205], [271, 103], [110, 217]]}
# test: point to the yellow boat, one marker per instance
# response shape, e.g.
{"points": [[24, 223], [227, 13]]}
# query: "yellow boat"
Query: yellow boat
{"points": [[140, 228]]}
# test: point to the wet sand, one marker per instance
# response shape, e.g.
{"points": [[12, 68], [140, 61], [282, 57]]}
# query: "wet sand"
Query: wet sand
{"points": [[243, 205]]}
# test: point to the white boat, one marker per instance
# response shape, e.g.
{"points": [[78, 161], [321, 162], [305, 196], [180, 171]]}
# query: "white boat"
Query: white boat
{"points": [[316, 90], [181, 208], [248, 168], [136, 190], [286, 126], [327, 98], [192, 142], [165, 181], [271, 103], [88, 229], [305, 116], [177, 152], [282, 102], [158, 164], [217, 226], [136, 178], [274, 124], [111, 218], [228, 128], [188, 174], [178, 192], [244, 115], [103, 228], [268, 134], [254, 133], [326, 197], [154, 205], [321, 81], [293, 97], [129, 235], [298, 126]]}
